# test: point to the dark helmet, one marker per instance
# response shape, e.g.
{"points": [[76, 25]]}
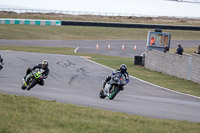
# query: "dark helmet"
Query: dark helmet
{"points": [[123, 68], [45, 63]]}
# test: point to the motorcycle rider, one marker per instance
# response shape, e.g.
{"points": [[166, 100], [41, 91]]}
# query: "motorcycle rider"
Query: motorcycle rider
{"points": [[123, 71], [1, 60], [43, 66]]}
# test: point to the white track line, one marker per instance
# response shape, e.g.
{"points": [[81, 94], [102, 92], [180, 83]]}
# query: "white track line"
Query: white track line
{"points": [[146, 81], [75, 51]]}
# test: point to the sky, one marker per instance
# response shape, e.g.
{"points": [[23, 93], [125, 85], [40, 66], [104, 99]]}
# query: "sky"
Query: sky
{"points": [[137, 7]]}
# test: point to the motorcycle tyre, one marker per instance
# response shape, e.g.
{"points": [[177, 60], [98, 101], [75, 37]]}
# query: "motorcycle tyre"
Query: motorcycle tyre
{"points": [[117, 89], [1, 67], [23, 87], [32, 84], [101, 94]]}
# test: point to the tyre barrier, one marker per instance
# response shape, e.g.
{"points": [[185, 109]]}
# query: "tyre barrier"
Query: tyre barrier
{"points": [[30, 22], [97, 24], [128, 25]]}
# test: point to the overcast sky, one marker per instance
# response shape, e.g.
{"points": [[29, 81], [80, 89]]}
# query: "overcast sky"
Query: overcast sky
{"points": [[143, 7]]}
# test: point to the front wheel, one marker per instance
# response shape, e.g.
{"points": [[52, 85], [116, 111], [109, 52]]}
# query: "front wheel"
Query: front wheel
{"points": [[101, 94], [23, 87], [115, 89]]}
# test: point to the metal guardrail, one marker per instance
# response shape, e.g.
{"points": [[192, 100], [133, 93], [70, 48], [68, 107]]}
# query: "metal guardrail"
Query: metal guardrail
{"points": [[189, 1]]}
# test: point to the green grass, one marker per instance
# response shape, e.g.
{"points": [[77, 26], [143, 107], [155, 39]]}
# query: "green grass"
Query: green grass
{"points": [[21, 114], [34, 32], [163, 80]]}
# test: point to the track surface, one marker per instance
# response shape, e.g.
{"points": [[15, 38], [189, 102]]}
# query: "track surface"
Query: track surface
{"points": [[89, 46], [76, 80]]}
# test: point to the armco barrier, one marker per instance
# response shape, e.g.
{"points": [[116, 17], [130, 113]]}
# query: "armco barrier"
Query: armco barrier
{"points": [[182, 66], [30, 22], [128, 25]]}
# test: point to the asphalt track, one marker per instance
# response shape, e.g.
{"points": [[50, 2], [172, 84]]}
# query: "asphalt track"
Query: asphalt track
{"points": [[76, 80], [89, 46]]}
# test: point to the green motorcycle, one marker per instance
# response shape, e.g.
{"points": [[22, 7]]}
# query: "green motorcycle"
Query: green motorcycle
{"points": [[36, 76]]}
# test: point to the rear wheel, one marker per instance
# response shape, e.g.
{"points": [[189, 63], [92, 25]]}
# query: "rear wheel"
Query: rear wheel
{"points": [[32, 84], [113, 93]]}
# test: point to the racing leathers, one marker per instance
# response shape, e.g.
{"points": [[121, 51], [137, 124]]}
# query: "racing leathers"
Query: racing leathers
{"points": [[1, 60], [125, 74], [44, 76]]}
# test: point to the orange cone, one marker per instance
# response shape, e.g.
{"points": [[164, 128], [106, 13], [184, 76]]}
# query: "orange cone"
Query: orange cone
{"points": [[97, 46], [109, 47], [122, 47], [135, 47]]}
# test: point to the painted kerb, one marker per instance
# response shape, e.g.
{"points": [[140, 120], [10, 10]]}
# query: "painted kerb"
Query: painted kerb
{"points": [[30, 22], [182, 66]]}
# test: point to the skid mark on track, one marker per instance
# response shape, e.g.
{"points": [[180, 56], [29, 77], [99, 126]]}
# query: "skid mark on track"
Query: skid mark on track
{"points": [[65, 63], [82, 71], [22, 59], [72, 79]]}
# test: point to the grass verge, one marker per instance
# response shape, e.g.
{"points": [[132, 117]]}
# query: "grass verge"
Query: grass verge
{"points": [[21, 114], [163, 80], [34, 32]]}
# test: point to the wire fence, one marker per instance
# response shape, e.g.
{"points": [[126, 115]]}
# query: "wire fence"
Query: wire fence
{"points": [[72, 12], [189, 1], [19, 11]]}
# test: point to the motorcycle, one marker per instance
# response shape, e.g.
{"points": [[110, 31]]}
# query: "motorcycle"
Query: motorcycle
{"points": [[36, 76], [1, 65], [114, 86]]}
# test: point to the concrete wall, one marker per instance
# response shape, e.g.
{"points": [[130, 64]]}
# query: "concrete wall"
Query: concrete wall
{"points": [[195, 69], [182, 66]]}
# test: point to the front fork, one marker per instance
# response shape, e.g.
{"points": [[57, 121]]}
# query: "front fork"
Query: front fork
{"points": [[107, 89], [28, 77]]}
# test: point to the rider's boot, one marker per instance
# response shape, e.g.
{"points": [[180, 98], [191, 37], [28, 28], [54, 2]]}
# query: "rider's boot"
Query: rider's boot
{"points": [[121, 88]]}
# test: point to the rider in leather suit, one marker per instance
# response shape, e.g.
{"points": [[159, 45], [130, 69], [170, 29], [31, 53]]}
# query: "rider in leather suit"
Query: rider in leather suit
{"points": [[43, 66], [1, 60], [123, 71]]}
